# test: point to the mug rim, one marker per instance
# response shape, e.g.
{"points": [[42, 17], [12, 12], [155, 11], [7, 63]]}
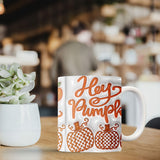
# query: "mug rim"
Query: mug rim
{"points": [[114, 77]]}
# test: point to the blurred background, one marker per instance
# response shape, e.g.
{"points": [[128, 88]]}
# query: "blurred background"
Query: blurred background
{"points": [[106, 37]]}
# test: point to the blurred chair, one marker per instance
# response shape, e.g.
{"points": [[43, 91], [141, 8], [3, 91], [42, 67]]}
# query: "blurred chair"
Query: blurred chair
{"points": [[154, 123]]}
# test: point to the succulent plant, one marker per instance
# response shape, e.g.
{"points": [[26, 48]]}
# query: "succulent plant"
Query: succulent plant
{"points": [[15, 86]]}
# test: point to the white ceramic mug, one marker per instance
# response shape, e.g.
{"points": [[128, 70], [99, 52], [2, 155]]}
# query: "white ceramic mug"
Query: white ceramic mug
{"points": [[19, 124], [89, 114]]}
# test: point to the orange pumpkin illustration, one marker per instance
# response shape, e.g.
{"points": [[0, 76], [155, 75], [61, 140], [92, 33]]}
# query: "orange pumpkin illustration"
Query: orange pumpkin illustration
{"points": [[60, 91], [60, 137], [60, 141], [107, 139], [81, 138], [60, 114]]}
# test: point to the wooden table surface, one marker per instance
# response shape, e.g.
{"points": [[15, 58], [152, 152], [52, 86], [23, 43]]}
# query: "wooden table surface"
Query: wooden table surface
{"points": [[147, 147]]}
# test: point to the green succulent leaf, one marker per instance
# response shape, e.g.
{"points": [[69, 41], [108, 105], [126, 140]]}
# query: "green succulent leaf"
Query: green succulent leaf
{"points": [[26, 98], [13, 68], [15, 85], [20, 74], [4, 73]]}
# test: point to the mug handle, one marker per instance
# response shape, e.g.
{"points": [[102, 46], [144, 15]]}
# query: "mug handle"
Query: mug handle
{"points": [[141, 124]]}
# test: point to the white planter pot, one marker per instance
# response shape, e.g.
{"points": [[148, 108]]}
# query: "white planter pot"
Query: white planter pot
{"points": [[19, 124]]}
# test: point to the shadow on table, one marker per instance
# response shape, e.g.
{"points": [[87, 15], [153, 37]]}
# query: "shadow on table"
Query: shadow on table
{"points": [[28, 153]]}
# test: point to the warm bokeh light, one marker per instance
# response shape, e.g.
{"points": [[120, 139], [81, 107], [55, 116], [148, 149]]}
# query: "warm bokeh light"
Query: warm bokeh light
{"points": [[108, 11], [2, 9]]}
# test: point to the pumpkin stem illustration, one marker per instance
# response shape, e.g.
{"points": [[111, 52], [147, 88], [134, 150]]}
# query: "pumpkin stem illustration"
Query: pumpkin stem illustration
{"points": [[70, 127], [76, 125], [62, 128], [115, 126], [86, 120], [107, 127], [101, 127]]}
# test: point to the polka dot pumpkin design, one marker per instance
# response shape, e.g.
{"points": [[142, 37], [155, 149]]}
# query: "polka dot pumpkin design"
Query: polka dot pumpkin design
{"points": [[81, 139], [107, 138], [60, 137], [60, 141]]}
